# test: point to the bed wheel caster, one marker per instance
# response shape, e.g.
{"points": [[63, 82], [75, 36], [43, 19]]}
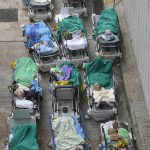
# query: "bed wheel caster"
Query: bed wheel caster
{"points": [[49, 144], [80, 66], [37, 116], [87, 117], [100, 146], [85, 14], [6, 143], [31, 19]]}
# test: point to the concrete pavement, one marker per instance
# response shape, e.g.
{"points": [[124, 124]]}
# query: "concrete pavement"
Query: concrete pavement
{"points": [[11, 47]]}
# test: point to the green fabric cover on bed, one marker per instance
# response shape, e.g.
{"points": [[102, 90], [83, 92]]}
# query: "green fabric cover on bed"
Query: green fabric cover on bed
{"points": [[99, 71], [75, 78], [25, 71], [24, 137], [108, 20], [69, 24]]}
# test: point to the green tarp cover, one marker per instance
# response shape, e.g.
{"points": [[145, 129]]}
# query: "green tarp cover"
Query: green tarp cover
{"points": [[75, 78], [99, 71], [69, 24], [108, 20], [24, 137], [25, 71]]}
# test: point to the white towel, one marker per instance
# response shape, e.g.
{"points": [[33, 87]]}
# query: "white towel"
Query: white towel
{"points": [[77, 43]]}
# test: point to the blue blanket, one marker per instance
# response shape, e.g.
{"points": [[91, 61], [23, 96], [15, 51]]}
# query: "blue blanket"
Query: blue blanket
{"points": [[38, 33]]}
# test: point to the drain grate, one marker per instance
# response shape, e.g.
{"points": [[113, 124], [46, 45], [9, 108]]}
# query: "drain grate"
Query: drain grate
{"points": [[9, 15]]}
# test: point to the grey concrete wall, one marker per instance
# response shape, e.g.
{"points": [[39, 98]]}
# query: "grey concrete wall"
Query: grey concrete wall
{"points": [[138, 17]]}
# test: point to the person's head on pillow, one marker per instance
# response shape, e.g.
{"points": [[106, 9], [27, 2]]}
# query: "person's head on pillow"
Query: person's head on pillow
{"points": [[97, 87]]}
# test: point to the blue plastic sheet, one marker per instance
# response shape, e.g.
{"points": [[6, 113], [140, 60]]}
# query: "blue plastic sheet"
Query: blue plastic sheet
{"points": [[38, 33], [79, 129], [35, 86]]}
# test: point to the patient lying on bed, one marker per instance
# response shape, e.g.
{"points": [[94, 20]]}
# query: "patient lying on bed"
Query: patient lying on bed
{"points": [[101, 94], [108, 36], [77, 42], [21, 101]]}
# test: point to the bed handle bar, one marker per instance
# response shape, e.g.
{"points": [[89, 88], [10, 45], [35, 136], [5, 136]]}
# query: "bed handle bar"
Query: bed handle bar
{"points": [[66, 87], [51, 132], [104, 137]]}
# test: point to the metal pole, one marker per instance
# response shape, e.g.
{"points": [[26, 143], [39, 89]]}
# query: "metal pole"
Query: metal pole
{"points": [[134, 142], [114, 4], [104, 137]]}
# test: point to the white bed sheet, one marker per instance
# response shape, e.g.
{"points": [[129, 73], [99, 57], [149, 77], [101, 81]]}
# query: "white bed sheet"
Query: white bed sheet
{"points": [[76, 43], [105, 95], [24, 103]]}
